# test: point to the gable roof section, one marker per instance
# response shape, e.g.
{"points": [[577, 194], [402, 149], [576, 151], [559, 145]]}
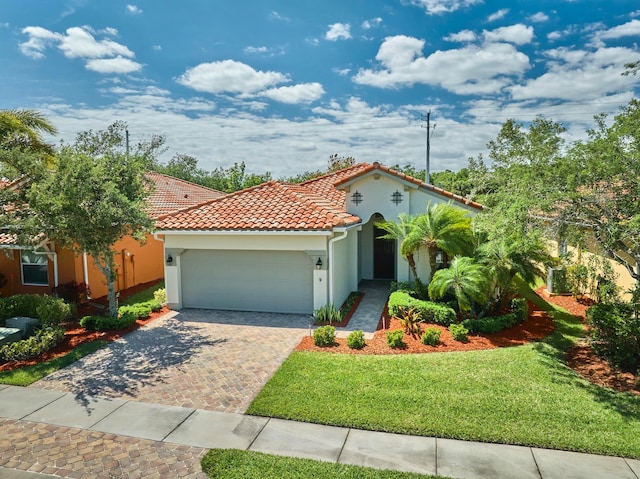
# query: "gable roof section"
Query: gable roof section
{"points": [[172, 194], [271, 206]]}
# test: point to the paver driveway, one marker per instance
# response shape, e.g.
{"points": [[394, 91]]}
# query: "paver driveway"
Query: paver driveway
{"points": [[213, 360]]}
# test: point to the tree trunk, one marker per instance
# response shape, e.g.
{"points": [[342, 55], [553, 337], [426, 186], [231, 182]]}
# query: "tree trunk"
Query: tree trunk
{"points": [[412, 267], [104, 261], [432, 262]]}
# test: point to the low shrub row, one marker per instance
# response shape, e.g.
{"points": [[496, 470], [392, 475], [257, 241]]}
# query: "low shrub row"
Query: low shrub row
{"points": [[43, 340], [430, 312], [493, 324], [51, 311], [615, 334], [127, 316]]}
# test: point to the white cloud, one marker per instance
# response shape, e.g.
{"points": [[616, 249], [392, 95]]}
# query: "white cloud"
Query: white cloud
{"points": [[116, 65], [256, 49], [276, 16], [156, 47], [468, 70], [629, 29], [39, 39], [519, 34], [79, 43], [438, 7], [301, 93], [342, 71], [555, 35], [579, 75], [539, 17], [109, 31], [462, 36], [229, 76], [499, 15], [133, 10], [372, 23], [338, 31]]}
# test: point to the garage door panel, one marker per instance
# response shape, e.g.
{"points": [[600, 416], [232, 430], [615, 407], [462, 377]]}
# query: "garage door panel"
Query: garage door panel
{"points": [[247, 280]]}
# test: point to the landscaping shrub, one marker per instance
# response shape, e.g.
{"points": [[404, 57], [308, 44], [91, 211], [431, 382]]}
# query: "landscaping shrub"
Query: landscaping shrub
{"points": [[615, 334], [160, 295], [139, 310], [421, 291], [410, 320], [348, 303], [459, 332], [107, 323], [394, 338], [43, 340], [20, 305], [324, 336], [53, 311], [155, 305], [430, 312], [520, 306], [71, 292], [327, 313], [431, 336], [493, 324], [355, 340]]}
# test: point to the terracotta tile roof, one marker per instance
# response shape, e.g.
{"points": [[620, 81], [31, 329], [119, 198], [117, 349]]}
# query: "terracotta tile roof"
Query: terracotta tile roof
{"points": [[269, 206], [7, 239], [172, 194]]}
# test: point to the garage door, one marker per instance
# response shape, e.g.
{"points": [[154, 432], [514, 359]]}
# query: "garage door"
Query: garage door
{"points": [[247, 281]]}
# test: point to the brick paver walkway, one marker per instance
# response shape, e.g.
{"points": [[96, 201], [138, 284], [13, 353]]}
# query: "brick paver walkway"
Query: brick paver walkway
{"points": [[77, 453], [198, 359]]}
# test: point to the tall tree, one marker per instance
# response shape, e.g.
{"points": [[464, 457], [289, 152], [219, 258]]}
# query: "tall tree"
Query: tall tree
{"points": [[466, 279], [95, 195], [24, 129], [402, 231]]}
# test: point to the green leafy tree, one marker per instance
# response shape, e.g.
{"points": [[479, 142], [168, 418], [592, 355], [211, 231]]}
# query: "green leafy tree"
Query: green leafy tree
{"points": [[24, 129], [466, 279], [94, 196]]}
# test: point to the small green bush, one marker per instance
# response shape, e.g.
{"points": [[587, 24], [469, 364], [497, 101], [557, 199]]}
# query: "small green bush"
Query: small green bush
{"points": [[324, 336], [394, 338], [520, 306], [431, 336], [421, 291], [155, 305], [138, 310], [53, 311], [430, 312], [160, 295], [355, 340], [107, 323], [327, 314], [615, 334], [43, 340], [20, 305], [459, 332], [410, 320]]}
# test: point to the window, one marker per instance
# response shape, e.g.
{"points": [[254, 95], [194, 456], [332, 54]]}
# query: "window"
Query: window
{"points": [[35, 268]]}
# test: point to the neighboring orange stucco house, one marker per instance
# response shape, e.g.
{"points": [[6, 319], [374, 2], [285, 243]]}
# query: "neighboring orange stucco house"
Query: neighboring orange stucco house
{"points": [[39, 271]]}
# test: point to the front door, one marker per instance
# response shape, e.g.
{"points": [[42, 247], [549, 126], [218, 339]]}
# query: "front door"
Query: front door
{"points": [[384, 256]]}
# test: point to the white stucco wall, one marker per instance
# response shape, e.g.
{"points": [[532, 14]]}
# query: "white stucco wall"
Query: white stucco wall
{"points": [[254, 241], [343, 265]]}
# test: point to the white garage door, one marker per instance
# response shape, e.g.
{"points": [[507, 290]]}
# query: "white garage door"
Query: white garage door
{"points": [[277, 281]]}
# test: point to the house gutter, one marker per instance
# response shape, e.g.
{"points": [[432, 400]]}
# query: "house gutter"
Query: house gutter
{"points": [[85, 272], [330, 250]]}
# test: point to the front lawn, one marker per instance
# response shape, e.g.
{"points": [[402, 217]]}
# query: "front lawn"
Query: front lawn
{"points": [[233, 464], [521, 395]]}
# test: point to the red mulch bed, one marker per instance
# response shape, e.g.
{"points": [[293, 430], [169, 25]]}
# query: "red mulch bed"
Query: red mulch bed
{"points": [[347, 317], [580, 358], [77, 335]]}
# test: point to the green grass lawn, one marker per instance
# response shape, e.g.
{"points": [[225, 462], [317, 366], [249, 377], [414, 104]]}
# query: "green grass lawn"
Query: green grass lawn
{"points": [[233, 464], [30, 374], [520, 395], [143, 296]]}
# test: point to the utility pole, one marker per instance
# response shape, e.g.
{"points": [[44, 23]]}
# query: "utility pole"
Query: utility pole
{"points": [[126, 136], [428, 165]]}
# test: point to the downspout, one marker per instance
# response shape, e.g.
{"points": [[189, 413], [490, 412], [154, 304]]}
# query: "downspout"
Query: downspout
{"points": [[333, 241], [85, 271]]}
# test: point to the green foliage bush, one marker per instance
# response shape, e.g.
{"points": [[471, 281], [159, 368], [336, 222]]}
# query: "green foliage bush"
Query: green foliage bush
{"points": [[71, 292], [419, 291], [520, 306], [327, 314], [431, 336], [107, 323], [493, 324], [160, 295], [394, 338], [459, 332], [139, 310], [615, 334], [324, 336], [355, 340], [50, 310], [430, 312], [43, 340]]}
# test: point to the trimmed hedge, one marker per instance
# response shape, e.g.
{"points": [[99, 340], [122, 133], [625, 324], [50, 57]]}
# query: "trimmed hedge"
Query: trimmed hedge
{"points": [[519, 312], [324, 336], [430, 312], [43, 340], [107, 323]]}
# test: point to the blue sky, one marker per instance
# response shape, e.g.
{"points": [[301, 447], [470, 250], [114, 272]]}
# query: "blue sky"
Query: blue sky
{"points": [[281, 85]]}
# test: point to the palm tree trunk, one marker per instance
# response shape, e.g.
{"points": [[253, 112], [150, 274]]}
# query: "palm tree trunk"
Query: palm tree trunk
{"points": [[412, 265], [433, 254]]}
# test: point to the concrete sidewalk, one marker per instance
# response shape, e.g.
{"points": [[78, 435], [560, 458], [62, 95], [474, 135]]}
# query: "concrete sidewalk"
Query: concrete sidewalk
{"points": [[210, 429]]}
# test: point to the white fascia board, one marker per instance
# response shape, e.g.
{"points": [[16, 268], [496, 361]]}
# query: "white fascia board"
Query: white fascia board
{"points": [[247, 233]]}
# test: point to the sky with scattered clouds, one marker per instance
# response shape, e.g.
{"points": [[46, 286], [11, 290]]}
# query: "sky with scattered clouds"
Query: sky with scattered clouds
{"points": [[281, 85]]}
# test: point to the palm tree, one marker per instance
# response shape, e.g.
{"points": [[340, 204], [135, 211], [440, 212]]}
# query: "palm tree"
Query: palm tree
{"points": [[506, 258], [24, 128], [467, 280], [444, 228]]}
